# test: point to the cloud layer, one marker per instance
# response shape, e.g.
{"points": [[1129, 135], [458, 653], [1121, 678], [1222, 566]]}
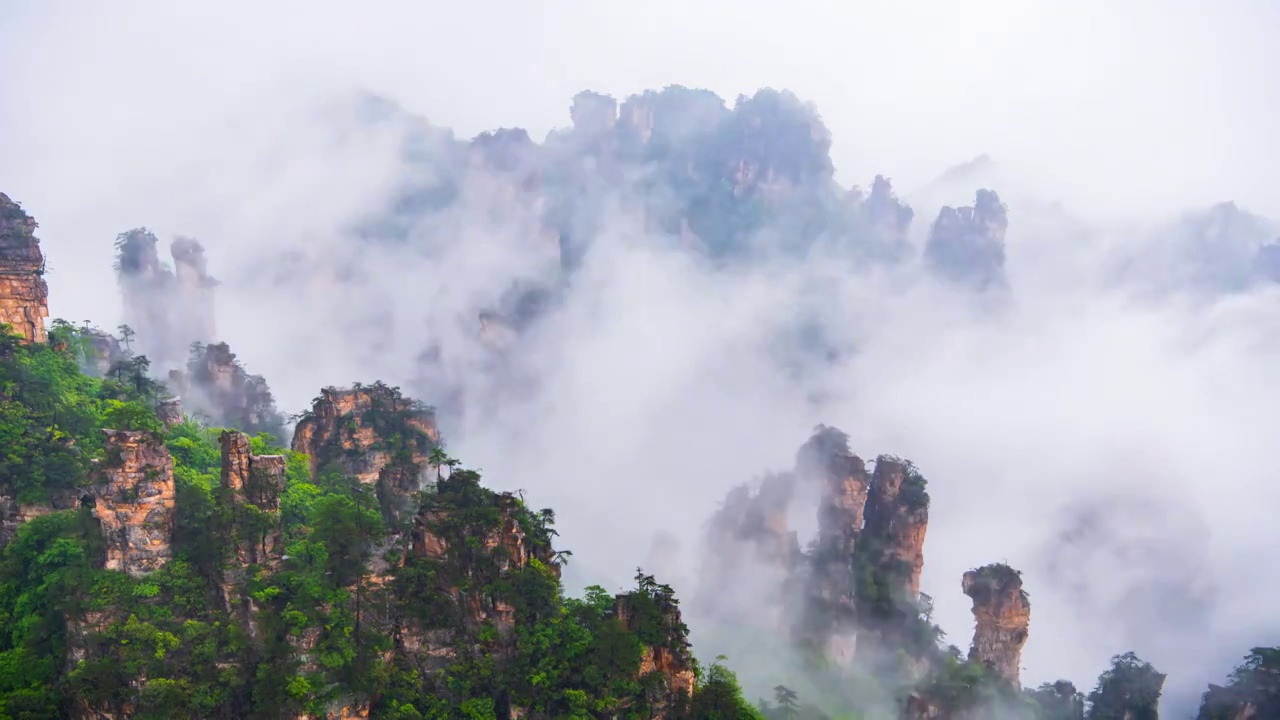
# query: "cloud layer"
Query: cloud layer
{"points": [[1113, 445]]}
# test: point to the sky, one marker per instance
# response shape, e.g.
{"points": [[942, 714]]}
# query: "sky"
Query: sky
{"points": [[224, 121]]}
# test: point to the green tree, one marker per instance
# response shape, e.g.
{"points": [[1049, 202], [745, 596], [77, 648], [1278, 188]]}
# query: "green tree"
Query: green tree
{"points": [[787, 701], [1129, 690], [126, 337]]}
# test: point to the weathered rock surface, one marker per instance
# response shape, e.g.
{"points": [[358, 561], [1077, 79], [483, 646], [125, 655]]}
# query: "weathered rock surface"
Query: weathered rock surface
{"points": [[255, 480], [24, 295], [841, 478], [133, 495], [14, 513], [897, 517], [1003, 613], [170, 412], [669, 661], [375, 434], [966, 244]]}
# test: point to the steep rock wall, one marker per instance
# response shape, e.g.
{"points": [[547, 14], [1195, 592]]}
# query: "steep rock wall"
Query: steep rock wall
{"points": [[24, 295], [133, 496], [375, 434], [897, 518]]}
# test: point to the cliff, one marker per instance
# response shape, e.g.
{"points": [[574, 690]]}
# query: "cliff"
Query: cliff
{"points": [[897, 519], [168, 307], [841, 478], [666, 665], [374, 434], [1003, 613], [253, 484], [133, 501], [24, 295], [218, 389], [966, 244]]}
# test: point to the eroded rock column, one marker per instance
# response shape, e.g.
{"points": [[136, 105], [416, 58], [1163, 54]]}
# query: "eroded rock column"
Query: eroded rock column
{"points": [[897, 519], [1003, 613]]}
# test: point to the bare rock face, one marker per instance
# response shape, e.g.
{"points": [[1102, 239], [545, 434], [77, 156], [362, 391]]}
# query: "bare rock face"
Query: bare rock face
{"points": [[133, 499], [255, 480], [966, 245], [842, 477], [831, 614], [254, 483], [374, 434], [1003, 613], [170, 412], [24, 296], [897, 516]]}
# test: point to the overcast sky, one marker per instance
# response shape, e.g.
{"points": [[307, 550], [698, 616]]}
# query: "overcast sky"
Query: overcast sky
{"points": [[200, 118]]}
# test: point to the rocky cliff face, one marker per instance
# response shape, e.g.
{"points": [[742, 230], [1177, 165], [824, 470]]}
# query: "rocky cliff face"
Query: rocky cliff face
{"points": [[841, 478], [375, 434], [133, 501], [217, 388], [897, 517], [666, 664], [253, 484], [966, 245], [857, 586], [1003, 613], [169, 410], [24, 296]]}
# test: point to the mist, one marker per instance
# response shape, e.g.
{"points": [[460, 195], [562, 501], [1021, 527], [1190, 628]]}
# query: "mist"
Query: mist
{"points": [[1112, 443]]}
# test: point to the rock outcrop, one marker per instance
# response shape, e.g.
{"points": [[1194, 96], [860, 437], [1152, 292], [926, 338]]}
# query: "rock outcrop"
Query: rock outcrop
{"points": [[24, 295], [856, 587], [217, 388], [253, 484], [841, 477], [887, 218], [169, 410], [193, 312], [897, 518], [966, 245], [374, 434], [666, 664], [133, 501], [168, 308], [257, 481], [1003, 613]]}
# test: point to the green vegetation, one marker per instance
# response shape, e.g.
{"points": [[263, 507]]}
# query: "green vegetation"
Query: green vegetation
{"points": [[231, 629], [1255, 682], [1129, 690]]}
